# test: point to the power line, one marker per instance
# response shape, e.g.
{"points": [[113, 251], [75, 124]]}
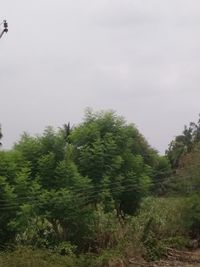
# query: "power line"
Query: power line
{"points": [[91, 190], [92, 196], [84, 199], [95, 188]]}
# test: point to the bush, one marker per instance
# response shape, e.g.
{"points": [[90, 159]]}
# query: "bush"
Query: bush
{"points": [[192, 216], [159, 225]]}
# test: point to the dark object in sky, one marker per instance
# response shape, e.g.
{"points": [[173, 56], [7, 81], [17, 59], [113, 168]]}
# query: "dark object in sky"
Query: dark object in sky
{"points": [[5, 30]]}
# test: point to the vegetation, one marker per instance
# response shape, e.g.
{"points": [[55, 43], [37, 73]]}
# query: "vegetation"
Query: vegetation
{"points": [[183, 144], [97, 193]]}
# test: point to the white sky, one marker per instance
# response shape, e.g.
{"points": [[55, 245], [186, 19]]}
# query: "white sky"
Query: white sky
{"points": [[138, 57]]}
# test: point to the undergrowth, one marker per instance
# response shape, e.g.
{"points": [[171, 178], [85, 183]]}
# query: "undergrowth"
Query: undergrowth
{"points": [[158, 225]]}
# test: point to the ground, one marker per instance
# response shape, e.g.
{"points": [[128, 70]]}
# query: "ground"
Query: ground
{"points": [[175, 259]]}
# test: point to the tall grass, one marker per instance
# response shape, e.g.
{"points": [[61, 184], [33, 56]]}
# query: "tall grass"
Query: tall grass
{"points": [[28, 257]]}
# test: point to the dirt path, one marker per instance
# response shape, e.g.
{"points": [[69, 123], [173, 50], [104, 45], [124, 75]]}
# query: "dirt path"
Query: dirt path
{"points": [[175, 259], [166, 264], [176, 264]]}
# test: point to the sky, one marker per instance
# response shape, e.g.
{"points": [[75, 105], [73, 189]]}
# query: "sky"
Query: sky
{"points": [[140, 58]]}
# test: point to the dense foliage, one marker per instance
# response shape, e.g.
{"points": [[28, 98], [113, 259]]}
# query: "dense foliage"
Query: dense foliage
{"points": [[99, 188], [52, 185], [184, 143]]}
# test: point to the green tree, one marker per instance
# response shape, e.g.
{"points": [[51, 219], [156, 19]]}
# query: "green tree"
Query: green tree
{"points": [[54, 185], [184, 143], [7, 210], [185, 183], [106, 146], [162, 173], [52, 188]]}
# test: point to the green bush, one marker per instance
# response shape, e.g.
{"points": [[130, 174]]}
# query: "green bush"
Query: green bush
{"points": [[192, 216], [159, 225]]}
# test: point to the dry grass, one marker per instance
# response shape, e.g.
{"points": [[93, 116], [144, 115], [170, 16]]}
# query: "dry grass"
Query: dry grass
{"points": [[25, 257]]}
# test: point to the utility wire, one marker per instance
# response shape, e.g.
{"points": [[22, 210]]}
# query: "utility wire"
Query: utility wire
{"points": [[92, 189], [95, 189], [92, 194], [84, 200], [81, 195]]}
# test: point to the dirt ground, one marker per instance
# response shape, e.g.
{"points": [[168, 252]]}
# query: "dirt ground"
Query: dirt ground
{"points": [[175, 259], [176, 264]]}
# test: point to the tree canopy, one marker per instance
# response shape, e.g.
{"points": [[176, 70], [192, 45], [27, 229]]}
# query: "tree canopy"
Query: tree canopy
{"points": [[73, 186], [61, 176]]}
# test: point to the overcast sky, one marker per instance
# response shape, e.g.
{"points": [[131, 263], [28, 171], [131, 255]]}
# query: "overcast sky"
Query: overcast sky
{"points": [[138, 57]]}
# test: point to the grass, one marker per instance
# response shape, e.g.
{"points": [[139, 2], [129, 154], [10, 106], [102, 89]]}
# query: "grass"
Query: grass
{"points": [[27, 257]]}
